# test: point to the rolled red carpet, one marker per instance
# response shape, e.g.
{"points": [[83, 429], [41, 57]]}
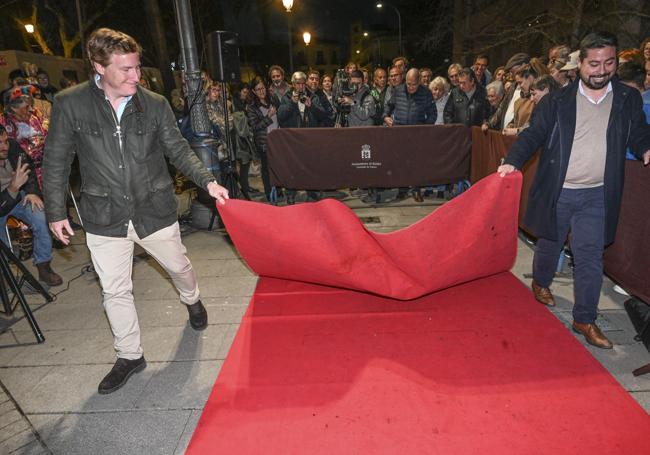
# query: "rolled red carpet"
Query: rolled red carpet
{"points": [[473, 236]]}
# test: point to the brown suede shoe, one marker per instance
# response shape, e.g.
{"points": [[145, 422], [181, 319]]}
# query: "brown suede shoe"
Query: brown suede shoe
{"points": [[593, 335], [543, 295]]}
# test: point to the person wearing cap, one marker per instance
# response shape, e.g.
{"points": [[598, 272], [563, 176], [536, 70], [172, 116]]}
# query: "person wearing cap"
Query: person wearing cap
{"points": [[555, 70], [584, 130], [571, 67]]}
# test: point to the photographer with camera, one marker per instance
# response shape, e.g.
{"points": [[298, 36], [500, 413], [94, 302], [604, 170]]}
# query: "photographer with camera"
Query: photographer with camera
{"points": [[360, 105], [298, 108]]}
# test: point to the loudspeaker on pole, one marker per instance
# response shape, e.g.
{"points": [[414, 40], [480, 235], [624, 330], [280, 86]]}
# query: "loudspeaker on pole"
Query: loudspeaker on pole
{"points": [[223, 56]]}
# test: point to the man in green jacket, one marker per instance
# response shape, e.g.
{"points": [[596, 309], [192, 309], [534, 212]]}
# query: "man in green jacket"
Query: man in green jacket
{"points": [[121, 134]]}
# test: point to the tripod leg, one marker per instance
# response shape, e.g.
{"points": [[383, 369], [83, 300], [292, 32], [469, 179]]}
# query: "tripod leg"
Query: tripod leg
{"points": [[7, 254], [8, 275]]}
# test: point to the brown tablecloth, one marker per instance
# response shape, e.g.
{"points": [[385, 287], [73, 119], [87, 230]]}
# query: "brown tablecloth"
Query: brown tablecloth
{"points": [[487, 150], [325, 158], [627, 260]]}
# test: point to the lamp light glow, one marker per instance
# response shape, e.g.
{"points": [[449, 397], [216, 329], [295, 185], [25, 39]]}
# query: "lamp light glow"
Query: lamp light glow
{"points": [[288, 4]]}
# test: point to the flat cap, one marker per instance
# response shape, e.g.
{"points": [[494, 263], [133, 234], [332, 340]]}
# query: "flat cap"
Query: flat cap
{"points": [[519, 58]]}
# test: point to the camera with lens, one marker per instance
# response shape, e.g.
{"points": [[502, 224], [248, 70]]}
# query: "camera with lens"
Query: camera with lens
{"points": [[302, 96], [342, 88]]}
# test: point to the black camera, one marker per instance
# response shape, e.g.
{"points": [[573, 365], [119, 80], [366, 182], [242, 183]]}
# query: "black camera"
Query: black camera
{"points": [[341, 86], [302, 96]]}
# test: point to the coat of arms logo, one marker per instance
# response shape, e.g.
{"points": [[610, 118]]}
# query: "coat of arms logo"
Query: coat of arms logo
{"points": [[365, 152]]}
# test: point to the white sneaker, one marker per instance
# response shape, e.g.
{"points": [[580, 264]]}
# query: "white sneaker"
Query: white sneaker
{"points": [[620, 290]]}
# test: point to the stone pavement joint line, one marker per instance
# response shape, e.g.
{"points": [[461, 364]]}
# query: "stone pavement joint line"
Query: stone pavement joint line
{"points": [[23, 433]]}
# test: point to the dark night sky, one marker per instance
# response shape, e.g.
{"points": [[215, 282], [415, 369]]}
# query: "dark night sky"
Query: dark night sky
{"points": [[323, 19]]}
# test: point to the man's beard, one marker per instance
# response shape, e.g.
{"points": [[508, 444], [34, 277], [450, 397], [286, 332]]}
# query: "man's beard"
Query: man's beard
{"points": [[277, 83], [596, 85]]}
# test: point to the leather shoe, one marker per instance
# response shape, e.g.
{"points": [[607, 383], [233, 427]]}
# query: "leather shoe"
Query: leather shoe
{"points": [[593, 335], [198, 316], [543, 295], [47, 275], [120, 373]]}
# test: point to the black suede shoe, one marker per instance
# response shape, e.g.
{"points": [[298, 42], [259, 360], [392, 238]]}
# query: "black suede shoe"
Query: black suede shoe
{"points": [[198, 316], [120, 373]]}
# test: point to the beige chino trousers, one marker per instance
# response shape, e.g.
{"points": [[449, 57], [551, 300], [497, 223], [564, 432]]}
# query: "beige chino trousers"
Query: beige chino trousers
{"points": [[113, 261]]}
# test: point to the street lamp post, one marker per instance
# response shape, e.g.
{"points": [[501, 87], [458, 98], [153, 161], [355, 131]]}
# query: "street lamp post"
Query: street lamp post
{"points": [[81, 30], [306, 37], [288, 4], [380, 5]]}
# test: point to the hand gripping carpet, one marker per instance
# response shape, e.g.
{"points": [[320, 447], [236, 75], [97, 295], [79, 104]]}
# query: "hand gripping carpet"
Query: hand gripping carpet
{"points": [[443, 362]]}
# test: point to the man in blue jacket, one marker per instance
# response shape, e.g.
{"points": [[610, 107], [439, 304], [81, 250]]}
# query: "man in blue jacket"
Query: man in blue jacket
{"points": [[584, 130], [410, 103]]}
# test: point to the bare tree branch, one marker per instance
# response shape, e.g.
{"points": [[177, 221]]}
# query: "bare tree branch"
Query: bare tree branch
{"points": [[38, 36]]}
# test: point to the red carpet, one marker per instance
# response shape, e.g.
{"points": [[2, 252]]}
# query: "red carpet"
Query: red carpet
{"points": [[477, 368], [473, 236], [474, 368]]}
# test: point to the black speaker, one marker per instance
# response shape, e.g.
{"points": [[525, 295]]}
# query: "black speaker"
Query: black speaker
{"points": [[223, 56]]}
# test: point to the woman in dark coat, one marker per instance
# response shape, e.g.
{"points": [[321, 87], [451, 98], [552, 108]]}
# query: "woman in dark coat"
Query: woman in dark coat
{"points": [[262, 118]]}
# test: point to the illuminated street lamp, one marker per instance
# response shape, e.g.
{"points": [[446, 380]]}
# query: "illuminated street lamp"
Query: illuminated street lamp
{"points": [[288, 4], [380, 5], [365, 34], [29, 28], [306, 37]]}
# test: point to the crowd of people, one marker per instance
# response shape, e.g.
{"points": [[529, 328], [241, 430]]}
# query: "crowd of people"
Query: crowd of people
{"points": [[501, 98]]}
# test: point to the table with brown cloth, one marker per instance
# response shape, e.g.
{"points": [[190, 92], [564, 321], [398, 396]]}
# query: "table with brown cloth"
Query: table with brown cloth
{"points": [[368, 157], [627, 260]]}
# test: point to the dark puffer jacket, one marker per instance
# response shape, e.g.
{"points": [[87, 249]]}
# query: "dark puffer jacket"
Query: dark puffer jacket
{"points": [[468, 111], [118, 184], [410, 109]]}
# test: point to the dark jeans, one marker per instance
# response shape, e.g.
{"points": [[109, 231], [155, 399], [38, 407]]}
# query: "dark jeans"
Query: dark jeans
{"points": [[583, 212]]}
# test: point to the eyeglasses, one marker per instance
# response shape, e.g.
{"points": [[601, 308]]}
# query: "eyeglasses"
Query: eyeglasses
{"points": [[260, 89]]}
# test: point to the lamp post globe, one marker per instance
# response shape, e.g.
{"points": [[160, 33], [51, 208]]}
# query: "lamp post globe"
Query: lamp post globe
{"points": [[288, 4], [306, 37]]}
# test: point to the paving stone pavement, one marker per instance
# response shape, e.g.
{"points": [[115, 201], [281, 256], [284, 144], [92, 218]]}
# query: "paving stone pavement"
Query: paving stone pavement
{"points": [[48, 392]]}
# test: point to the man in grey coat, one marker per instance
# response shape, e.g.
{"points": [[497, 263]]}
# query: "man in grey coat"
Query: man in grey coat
{"points": [[121, 134]]}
